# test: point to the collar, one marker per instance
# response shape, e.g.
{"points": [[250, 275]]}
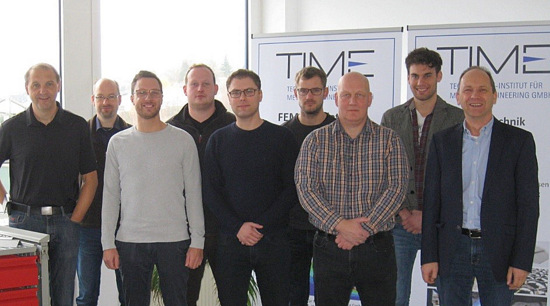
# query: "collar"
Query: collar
{"points": [[31, 119], [116, 126], [367, 128], [484, 130]]}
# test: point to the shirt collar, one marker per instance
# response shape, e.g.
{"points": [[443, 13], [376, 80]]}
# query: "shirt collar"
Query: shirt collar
{"points": [[485, 130], [367, 128], [98, 126], [31, 119]]}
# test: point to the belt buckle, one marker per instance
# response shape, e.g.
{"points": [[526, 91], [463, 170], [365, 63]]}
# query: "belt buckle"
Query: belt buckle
{"points": [[46, 210], [474, 235]]}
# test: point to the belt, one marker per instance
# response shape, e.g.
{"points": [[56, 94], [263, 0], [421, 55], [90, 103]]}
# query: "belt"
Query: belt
{"points": [[474, 234], [41, 210]]}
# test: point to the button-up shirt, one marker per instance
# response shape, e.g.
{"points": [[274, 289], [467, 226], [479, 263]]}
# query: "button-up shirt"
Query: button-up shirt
{"points": [[339, 177], [475, 154]]}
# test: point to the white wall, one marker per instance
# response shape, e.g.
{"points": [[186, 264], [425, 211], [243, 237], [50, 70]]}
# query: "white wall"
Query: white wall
{"points": [[277, 16]]}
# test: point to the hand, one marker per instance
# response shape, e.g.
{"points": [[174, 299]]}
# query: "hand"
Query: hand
{"points": [[352, 231], [413, 223], [343, 243], [429, 272], [193, 259], [515, 278], [248, 233], [111, 259]]}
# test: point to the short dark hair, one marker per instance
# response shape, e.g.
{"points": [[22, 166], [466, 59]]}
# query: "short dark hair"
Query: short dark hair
{"points": [[493, 87], [244, 73], [144, 74], [424, 56], [43, 66], [200, 66], [309, 72]]}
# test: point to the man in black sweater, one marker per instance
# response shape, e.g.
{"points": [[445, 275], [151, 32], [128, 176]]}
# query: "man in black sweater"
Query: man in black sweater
{"points": [[248, 183], [200, 117], [311, 89]]}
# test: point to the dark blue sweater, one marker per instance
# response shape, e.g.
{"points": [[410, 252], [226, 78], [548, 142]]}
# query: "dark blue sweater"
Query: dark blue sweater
{"points": [[249, 177]]}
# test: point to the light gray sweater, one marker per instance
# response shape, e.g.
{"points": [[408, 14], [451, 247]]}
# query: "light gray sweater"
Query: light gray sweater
{"points": [[153, 180]]}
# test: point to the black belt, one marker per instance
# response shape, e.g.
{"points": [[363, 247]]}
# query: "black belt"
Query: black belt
{"points": [[474, 234], [41, 210]]}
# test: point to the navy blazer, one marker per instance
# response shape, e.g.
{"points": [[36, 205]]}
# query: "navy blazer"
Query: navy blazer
{"points": [[509, 205]]}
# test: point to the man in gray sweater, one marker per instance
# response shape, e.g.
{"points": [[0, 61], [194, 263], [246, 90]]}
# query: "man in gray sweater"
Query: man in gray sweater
{"points": [[155, 185]]}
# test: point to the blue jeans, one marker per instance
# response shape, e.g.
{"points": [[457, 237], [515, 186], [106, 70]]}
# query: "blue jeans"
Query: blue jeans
{"points": [[407, 246], [301, 251], [370, 267], [468, 262], [270, 260], [136, 266], [90, 258], [62, 250]]}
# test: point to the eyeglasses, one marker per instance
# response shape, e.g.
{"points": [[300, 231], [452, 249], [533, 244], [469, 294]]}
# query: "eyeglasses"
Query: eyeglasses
{"points": [[101, 98], [153, 93], [249, 92], [314, 91]]}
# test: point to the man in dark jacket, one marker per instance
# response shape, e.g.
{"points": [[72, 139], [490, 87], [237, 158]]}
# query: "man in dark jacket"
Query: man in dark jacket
{"points": [[106, 100], [200, 117]]}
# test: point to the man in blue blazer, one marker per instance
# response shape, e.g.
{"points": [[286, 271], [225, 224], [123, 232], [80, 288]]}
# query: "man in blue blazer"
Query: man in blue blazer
{"points": [[481, 201]]}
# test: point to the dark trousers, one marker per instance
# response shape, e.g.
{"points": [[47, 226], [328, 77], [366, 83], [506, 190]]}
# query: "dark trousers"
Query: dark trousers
{"points": [[370, 267], [195, 275], [301, 250], [270, 260], [136, 266]]}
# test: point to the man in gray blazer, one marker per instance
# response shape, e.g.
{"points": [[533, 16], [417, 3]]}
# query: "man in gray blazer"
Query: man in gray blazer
{"points": [[416, 121]]}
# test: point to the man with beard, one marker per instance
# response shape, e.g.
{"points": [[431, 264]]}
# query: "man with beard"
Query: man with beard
{"points": [[311, 89], [152, 176], [416, 121], [106, 100]]}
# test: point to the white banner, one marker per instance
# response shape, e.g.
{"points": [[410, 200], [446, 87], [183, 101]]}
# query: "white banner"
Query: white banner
{"points": [[518, 56], [375, 53]]}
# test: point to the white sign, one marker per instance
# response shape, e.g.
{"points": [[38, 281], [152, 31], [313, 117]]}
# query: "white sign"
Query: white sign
{"points": [[376, 54], [518, 57]]}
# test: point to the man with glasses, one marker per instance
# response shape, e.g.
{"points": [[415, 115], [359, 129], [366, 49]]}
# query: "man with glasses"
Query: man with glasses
{"points": [[152, 177], [249, 186], [200, 117], [351, 176], [311, 89], [106, 100], [48, 149]]}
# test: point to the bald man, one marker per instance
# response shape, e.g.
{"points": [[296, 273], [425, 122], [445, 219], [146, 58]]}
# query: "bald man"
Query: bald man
{"points": [[106, 100], [351, 176]]}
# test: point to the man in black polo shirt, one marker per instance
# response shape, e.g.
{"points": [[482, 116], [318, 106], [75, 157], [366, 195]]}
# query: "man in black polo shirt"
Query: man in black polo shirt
{"points": [[48, 147]]}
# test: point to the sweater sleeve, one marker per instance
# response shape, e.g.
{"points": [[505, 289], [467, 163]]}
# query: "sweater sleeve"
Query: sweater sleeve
{"points": [[193, 195], [111, 198]]}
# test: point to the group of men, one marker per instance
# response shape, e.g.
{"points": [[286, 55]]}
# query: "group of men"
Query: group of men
{"points": [[356, 198]]}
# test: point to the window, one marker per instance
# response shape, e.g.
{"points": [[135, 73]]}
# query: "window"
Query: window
{"points": [[30, 35], [166, 37]]}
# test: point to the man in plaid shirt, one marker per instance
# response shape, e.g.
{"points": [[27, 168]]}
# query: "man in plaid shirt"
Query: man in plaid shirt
{"points": [[351, 177]]}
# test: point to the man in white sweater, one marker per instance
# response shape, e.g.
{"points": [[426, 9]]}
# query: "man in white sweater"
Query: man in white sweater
{"points": [[152, 178]]}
